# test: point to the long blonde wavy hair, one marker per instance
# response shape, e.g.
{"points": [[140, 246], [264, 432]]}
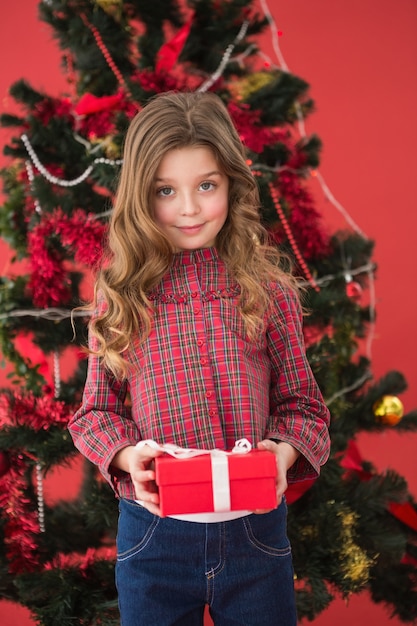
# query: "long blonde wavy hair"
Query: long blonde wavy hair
{"points": [[139, 254]]}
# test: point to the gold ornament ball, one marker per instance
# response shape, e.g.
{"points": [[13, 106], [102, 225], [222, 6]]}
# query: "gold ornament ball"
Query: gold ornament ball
{"points": [[388, 410]]}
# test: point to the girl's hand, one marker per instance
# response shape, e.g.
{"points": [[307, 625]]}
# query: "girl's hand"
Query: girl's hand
{"points": [[285, 456], [139, 463]]}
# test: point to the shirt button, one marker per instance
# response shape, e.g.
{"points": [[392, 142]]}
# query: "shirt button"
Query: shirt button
{"points": [[200, 342], [203, 361], [194, 294], [209, 394], [212, 412], [196, 311]]}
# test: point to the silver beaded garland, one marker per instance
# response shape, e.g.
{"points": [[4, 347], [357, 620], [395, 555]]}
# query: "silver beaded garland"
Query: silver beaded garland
{"points": [[40, 498], [54, 180]]}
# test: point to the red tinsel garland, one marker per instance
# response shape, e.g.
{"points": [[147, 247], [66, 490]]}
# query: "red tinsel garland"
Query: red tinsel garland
{"points": [[159, 82], [21, 520], [83, 562], [97, 116], [80, 237], [253, 134], [37, 413], [49, 108], [303, 217]]}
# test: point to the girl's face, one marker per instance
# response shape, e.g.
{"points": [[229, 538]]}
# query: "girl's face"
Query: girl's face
{"points": [[190, 198]]}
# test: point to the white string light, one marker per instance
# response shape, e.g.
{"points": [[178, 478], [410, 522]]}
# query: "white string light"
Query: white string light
{"points": [[277, 169], [332, 199], [358, 383], [239, 58], [53, 314], [372, 307], [274, 36], [330, 196], [328, 278], [284, 67]]}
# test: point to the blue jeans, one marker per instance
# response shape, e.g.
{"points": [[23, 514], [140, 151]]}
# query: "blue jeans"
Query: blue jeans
{"points": [[167, 570]]}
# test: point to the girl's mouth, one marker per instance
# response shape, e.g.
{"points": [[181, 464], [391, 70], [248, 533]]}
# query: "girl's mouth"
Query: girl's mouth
{"points": [[191, 230]]}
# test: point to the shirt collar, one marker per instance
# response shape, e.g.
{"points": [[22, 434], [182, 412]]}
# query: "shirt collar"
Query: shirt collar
{"points": [[195, 257]]}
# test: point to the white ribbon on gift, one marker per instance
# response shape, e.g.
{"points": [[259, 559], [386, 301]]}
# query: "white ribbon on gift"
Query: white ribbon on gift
{"points": [[219, 466]]}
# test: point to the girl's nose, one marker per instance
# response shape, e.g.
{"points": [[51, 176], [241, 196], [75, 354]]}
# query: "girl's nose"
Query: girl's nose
{"points": [[189, 205]]}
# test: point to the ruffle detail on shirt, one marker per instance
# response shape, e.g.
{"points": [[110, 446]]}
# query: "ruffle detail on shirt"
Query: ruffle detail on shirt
{"points": [[205, 296], [227, 292]]}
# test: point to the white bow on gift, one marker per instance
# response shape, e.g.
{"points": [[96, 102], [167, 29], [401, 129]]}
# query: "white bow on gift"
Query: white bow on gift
{"points": [[219, 465]]}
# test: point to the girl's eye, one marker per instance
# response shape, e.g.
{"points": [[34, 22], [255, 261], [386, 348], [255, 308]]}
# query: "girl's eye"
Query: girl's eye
{"points": [[207, 186], [164, 191]]}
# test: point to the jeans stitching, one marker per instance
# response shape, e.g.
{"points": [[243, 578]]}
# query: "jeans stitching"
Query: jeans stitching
{"points": [[127, 554], [214, 571], [261, 546]]}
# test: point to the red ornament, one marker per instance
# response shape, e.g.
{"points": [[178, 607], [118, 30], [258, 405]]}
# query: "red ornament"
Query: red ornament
{"points": [[170, 51], [353, 290], [89, 103], [4, 463]]}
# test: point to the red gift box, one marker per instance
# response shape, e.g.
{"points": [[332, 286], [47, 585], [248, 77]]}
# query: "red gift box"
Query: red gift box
{"points": [[216, 481]]}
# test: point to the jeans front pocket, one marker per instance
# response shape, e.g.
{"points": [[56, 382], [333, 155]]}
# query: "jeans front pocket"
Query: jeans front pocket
{"points": [[135, 530], [267, 532]]}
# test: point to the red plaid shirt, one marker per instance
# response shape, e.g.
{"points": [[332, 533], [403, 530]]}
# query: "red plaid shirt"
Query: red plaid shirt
{"points": [[198, 382]]}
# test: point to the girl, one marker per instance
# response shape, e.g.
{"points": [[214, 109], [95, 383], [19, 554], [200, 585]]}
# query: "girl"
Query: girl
{"points": [[195, 320]]}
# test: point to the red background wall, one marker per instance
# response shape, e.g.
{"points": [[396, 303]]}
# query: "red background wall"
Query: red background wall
{"points": [[360, 59]]}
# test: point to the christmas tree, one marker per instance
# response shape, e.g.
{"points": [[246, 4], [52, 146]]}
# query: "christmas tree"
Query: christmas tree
{"points": [[354, 528]]}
